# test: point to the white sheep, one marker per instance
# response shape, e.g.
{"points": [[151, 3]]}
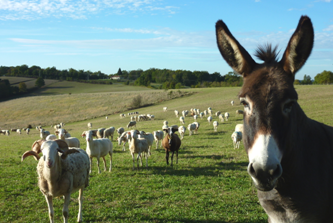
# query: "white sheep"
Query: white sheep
{"points": [[215, 124], [120, 130], [43, 133], [221, 118], [71, 141], [182, 120], [195, 117], [232, 103], [100, 133], [236, 138], [51, 137], [122, 115], [98, 148], [5, 132], [158, 136], [201, 114], [165, 123], [18, 131], [131, 124], [226, 115], [191, 128], [205, 113], [176, 113], [197, 126], [239, 112], [27, 130], [184, 113], [109, 132], [165, 109], [61, 175], [89, 125], [217, 113], [239, 128], [181, 130], [149, 137], [124, 137], [209, 119], [139, 146]]}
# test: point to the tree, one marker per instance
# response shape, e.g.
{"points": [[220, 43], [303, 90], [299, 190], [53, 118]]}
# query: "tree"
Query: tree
{"points": [[325, 77], [119, 72], [22, 87], [39, 82], [306, 79]]}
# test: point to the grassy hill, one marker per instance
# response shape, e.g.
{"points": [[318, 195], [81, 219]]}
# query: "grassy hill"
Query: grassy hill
{"points": [[209, 183]]}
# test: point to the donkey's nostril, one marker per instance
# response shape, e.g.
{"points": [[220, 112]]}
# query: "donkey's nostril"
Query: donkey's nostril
{"points": [[251, 170]]}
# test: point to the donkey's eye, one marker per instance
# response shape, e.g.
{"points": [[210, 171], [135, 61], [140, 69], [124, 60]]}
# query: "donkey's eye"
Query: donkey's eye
{"points": [[245, 104], [287, 107]]}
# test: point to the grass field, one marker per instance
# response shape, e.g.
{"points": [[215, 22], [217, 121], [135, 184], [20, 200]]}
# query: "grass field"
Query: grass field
{"points": [[209, 183]]}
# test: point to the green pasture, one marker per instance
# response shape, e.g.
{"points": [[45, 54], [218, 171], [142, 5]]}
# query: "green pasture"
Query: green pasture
{"points": [[209, 183]]}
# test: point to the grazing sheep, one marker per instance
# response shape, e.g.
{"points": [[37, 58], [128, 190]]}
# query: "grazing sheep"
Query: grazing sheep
{"points": [[18, 131], [195, 117], [5, 132], [27, 130], [184, 113], [149, 137], [236, 138], [165, 109], [177, 113], [205, 113], [120, 130], [239, 128], [109, 132], [209, 119], [43, 133], [124, 137], [217, 113], [232, 103], [197, 126], [165, 123], [139, 146], [122, 115], [98, 148], [221, 118], [201, 114], [215, 124], [181, 131], [198, 111], [239, 112], [226, 115], [100, 133], [191, 128], [171, 143], [182, 120], [158, 136], [89, 125], [61, 175], [106, 117], [131, 124]]}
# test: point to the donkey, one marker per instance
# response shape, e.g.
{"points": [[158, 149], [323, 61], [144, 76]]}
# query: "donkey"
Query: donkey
{"points": [[290, 155]]}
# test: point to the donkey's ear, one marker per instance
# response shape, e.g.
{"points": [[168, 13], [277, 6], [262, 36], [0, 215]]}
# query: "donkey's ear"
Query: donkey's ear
{"points": [[233, 53], [299, 47]]}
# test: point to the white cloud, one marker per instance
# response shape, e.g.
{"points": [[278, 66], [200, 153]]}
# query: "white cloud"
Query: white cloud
{"points": [[35, 9], [329, 28]]}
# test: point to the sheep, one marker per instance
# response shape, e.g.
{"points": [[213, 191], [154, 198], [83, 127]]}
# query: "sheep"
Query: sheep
{"points": [[61, 175], [100, 133], [182, 120], [106, 117], [205, 113], [226, 115], [51, 137], [124, 137], [120, 130], [13, 130], [217, 113], [38, 127], [197, 126], [43, 133], [71, 141], [165, 109], [151, 117], [198, 111], [5, 132], [89, 125], [98, 148], [184, 113], [131, 124], [239, 128], [201, 114], [158, 136], [177, 113], [122, 115], [232, 103], [165, 123], [27, 130], [133, 118], [195, 117], [239, 112], [221, 118], [18, 131], [236, 138], [209, 119], [109, 132], [215, 124], [138, 145], [149, 137], [181, 131], [191, 128], [171, 143]]}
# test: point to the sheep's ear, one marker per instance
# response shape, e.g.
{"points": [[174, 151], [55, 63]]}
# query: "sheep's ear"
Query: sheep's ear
{"points": [[66, 152], [30, 153], [61, 143], [66, 132], [56, 132], [166, 130]]}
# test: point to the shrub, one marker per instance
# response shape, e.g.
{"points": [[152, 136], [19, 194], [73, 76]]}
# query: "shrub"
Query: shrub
{"points": [[136, 102]]}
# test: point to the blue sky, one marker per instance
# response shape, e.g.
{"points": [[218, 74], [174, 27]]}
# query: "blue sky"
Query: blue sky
{"points": [[104, 35]]}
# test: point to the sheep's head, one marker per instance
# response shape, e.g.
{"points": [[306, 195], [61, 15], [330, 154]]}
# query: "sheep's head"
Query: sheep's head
{"points": [[170, 131], [88, 134]]}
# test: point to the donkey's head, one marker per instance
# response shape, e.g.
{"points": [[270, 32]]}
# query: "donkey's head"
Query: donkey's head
{"points": [[268, 97]]}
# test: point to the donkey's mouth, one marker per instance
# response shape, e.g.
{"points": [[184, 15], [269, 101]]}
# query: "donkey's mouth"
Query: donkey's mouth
{"points": [[268, 186]]}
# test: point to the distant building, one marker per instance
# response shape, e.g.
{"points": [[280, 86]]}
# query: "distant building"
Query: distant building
{"points": [[116, 77]]}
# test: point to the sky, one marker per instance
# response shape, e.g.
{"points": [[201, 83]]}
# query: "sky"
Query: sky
{"points": [[105, 35]]}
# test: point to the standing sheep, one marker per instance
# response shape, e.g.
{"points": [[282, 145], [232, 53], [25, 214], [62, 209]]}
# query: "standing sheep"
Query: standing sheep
{"points": [[221, 118], [215, 124], [182, 120], [226, 115], [232, 103], [124, 137], [61, 175], [176, 113], [158, 136], [236, 138], [131, 124], [109, 133], [191, 128], [165, 109], [171, 143], [98, 148], [89, 125], [139, 146], [209, 119], [120, 130], [181, 131]]}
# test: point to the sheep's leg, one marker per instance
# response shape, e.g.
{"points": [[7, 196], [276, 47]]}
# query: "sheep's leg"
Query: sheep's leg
{"points": [[146, 161], [90, 158], [103, 157], [156, 144], [50, 205], [172, 158], [133, 160], [137, 160], [110, 161], [177, 157], [167, 157], [99, 170], [65, 208], [79, 217]]}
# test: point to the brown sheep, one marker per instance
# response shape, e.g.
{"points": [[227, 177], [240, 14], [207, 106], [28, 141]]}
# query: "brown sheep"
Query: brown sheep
{"points": [[171, 143]]}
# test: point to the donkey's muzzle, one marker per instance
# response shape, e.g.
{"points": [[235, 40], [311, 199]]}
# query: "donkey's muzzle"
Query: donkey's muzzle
{"points": [[265, 178]]}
